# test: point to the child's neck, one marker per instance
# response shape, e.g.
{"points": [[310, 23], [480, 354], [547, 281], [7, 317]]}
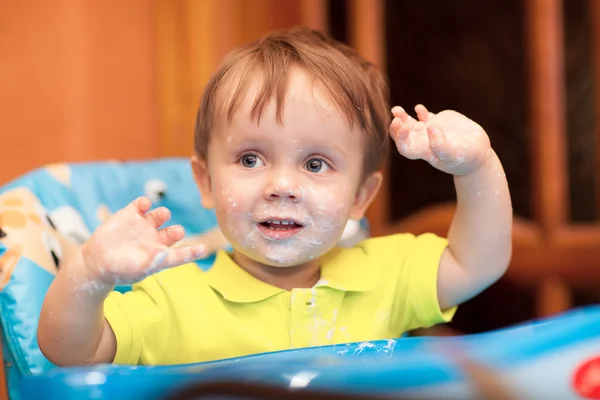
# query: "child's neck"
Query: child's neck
{"points": [[288, 278]]}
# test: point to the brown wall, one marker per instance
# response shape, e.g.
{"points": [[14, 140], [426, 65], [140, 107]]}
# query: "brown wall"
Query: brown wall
{"points": [[194, 36], [84, 80], [78, 82]]}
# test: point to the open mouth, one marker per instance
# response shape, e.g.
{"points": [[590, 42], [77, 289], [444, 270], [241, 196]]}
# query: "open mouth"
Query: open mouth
{"points": [[280, 228], [281, 224]]}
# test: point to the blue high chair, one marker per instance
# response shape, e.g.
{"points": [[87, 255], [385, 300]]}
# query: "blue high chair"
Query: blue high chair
{"points": [[46, 212]]}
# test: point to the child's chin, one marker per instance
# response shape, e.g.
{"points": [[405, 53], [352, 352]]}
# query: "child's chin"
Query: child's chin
{"points": [[285, 265], [289, 256], [288, 260]]}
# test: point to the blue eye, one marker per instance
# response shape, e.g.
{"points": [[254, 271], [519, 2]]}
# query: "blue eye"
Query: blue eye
{"points": [[250, 161], [316, 165]]}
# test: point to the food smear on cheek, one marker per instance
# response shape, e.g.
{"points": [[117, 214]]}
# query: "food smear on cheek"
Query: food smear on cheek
{"points": [[289, 232]]}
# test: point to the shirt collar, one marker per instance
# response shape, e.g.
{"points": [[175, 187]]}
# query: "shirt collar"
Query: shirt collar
{"points": [[342, 269], [235, 284], [348, 270]]}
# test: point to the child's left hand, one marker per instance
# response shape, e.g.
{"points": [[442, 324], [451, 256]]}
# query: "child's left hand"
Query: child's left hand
{"points": [[449, 141]]}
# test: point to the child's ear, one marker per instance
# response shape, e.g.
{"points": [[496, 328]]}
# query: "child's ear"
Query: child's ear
{"points": [[202, 178], [365, 195]]}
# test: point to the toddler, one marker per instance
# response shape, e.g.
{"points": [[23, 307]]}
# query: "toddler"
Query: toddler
{"points": [[290, 135]]}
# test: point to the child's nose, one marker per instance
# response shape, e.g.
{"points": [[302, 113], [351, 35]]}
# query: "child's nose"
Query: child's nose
{"points": [[283, 187]]}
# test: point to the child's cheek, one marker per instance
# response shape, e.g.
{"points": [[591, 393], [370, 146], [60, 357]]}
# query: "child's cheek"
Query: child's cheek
{"points": [[230, 207], [330, 211], [328, 202], [229, 198]]}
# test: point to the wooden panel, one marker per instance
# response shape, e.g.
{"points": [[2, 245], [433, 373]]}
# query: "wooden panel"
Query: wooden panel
{"points": [[575, 267], [572, 257], [200, 22], [78, 82], [314, 14], [194, 36], [437, 219], [282, 14], [552, 297], [594, 15], [229, 27], [174, 122], [367, 35], [546, 96], [548, 142]]}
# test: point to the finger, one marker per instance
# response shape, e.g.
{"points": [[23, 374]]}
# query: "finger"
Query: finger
{"points": [[437, 142], [402, 135], [397, 132], [182, 255], [399, 112], [190, 241], [405, 143], [394, 126], [141, 205], [422, 113], [171, 235], [158, 216], [397, 127]]}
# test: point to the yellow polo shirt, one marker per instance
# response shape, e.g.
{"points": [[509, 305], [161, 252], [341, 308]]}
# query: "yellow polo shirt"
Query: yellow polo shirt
{"points": [[376, 290]]}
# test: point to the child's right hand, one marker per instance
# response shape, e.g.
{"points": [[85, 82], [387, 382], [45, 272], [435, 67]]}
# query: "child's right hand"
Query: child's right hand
{"points": [[129, 246]]}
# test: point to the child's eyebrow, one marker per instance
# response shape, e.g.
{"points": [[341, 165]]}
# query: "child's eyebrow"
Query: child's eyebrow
{"points": [[306, 145], [324, 146], [244, 139]]}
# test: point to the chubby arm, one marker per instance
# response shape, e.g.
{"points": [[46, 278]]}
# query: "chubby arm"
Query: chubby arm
{"points": [[72, 329], [480, 237], [125, 249]]}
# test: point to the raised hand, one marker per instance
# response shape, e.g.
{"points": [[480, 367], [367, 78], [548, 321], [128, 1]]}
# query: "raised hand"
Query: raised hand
{"points": [[129, 245], [449, 141]]}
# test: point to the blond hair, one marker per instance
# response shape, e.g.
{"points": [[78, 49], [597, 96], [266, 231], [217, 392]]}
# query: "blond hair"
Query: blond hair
{"points": [[358, 89]]}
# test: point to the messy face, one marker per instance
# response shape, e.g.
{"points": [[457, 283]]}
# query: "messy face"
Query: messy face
{"points": [[283, 192]]}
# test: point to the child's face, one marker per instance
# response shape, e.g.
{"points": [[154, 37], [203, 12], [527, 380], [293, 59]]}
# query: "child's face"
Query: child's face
{"points": [[284, 192]]}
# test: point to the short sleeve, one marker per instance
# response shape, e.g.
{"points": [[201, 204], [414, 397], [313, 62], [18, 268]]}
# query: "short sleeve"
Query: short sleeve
{"points": [[421, 271], [140, 321], [416, 299]]}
